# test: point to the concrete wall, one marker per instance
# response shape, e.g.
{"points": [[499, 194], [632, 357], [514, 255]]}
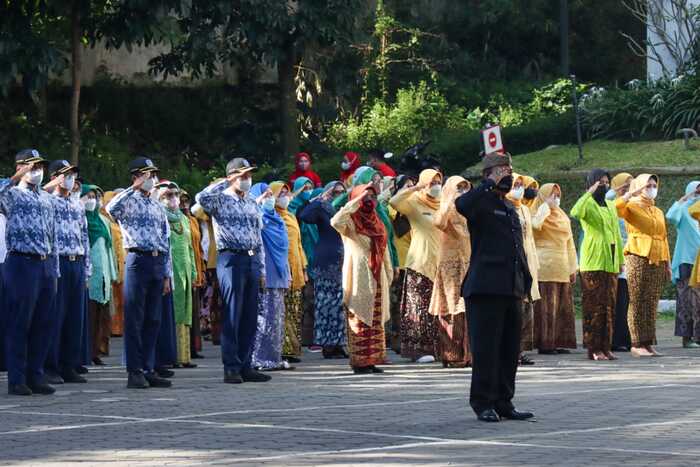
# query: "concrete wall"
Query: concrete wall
{"points": [[655, 70]]}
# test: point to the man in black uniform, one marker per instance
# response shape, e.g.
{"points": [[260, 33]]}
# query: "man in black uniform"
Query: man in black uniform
{"points": [[497, 281]]}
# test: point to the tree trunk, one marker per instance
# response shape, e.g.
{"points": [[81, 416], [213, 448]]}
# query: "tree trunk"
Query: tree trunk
{"points": [[288, 101], [76, 68]]}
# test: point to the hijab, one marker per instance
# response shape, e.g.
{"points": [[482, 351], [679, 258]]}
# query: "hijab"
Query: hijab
{"points": [[301, 196], [516, 202], [327, 204], [308, 173], [274, 233], [354, 159], [97, 228], [449, 195], [641, 181], [426, 177], [557, 222], [594, 176], [620, 179], [368, 223]]}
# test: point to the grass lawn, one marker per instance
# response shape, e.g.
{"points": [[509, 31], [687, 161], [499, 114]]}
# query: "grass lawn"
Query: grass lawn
{"points": [[611, 155]]}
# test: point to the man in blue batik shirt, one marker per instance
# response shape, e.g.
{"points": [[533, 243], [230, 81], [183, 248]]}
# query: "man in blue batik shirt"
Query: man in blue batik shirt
{"points": [[73, 248], [31, 270], [146, 234], [240, 267]]}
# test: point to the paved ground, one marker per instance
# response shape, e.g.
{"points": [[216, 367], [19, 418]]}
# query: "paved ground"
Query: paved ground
{"points": [[629, 412]]}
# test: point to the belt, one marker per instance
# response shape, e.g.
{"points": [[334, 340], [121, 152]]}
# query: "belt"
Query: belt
{"points": [[72, 258], [237, 251], [144, 252], [30, 255]]}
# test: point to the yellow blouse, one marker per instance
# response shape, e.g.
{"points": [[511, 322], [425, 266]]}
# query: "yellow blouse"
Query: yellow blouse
{"points": [[556, 252], [646, 230]]}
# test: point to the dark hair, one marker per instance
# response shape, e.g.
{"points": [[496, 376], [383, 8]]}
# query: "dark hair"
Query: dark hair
{"points": [[376, 153]]}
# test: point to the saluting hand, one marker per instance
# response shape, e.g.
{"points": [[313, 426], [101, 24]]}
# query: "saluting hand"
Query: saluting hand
{"points": [[23, 170], [264, 196], [632, 194], [54, 183], [594, 187], [139, 181]]}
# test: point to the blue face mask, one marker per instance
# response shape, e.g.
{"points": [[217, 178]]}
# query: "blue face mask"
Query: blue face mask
{"points": [[610, 195], [269, 204], [305, 195]]}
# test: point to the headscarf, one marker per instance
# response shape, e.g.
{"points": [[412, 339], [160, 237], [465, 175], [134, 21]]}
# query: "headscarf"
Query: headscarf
{"points": [[449, 194], [369, 224], [308, 173], [363, 175], [516, 202], [557, 220], [327, 205], [426, 177], [294, 236], [300, 197], [274, 234], [529, 182], [354, 159], [97, 228], [594, 176], [641, 181], [620, 179]]}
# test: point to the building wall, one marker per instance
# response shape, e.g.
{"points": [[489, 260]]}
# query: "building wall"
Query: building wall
{"points": [[655, 70]]}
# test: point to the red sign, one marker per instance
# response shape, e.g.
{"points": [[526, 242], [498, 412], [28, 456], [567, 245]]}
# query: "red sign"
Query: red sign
{"points": [[492, 140]]}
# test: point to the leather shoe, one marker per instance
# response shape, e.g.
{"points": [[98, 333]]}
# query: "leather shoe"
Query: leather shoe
{"points": [[231, 377], [137, 381], [164, 373], [254, 376], [42, 388], [71, 376], [19, 390], [488, 415], [515, 415], [376, 370], [197, 355], [362, 370], [81, 370], [53, 378], [155, 381]]}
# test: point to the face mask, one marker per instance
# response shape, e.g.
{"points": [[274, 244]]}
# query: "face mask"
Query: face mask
{"points": [[303, 165], [35, 177], [652, 192], [435, 191], [68, 182], [173, 203], [90, 204], [530, 193], [269, 204], [345, 165], [148, 184], [505, 184], [610, 195], [369, 205], [245, 184], [600, 192], [517, 193], [557, 202], [283, 202], [305, 195]]}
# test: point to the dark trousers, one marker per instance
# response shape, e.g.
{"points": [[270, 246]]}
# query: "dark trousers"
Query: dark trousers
{"points": [[3, 367], [68, 318], [494, 335], [239, 282], [621, 330], [30, 286], [195, 332], [166, 343], [99, 320], [143, 296]]}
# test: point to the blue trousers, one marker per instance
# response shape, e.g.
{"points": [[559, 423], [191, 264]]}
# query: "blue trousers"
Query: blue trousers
{"points": [[166, 345], [239, 282], [143, 297], [30, 290], [68, 318], [3, 307]]}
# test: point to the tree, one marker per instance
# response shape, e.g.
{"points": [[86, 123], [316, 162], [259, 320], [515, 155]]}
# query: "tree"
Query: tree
{"points": [[271, 32]]}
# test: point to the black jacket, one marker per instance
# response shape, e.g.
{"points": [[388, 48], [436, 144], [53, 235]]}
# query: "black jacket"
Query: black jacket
{"points": [[498, 264]]}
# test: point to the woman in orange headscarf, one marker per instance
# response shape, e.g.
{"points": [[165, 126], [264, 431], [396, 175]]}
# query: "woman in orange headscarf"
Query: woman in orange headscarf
{"points": [[647, 260], [291, 348], [555, 321], [418, 327], [454, 252], [117, 303], [367, 275]]}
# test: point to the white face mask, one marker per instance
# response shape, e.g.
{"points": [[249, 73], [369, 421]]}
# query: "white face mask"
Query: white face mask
{"points": [[611, 194], [173, 203], [35, 177], [517, 193], [557, 202], [345, 165], [652, 192], [90, 204], [68, 182], [244, 184], [435, 191], [269, 204], [148, 184], [283, 202]]}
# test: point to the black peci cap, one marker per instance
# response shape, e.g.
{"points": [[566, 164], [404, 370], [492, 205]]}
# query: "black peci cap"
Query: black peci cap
{"points": [[28, 156], [239, 165], [61, 167], [142, 165]]}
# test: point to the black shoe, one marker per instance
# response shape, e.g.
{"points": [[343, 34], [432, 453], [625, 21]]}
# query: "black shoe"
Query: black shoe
{"points": [[488, 415], [292, 359], [564, 351], [515, 415], [362, 370], [547, 352], [71, 376], [81, 370], [189, 365], [164, 373], [19, 390], [42, 388], [97, 361], [53, 378], [254, 376], [156, 381], [376, 370], [137, 381], [197, 356], [525, 360], [231, 377]]}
